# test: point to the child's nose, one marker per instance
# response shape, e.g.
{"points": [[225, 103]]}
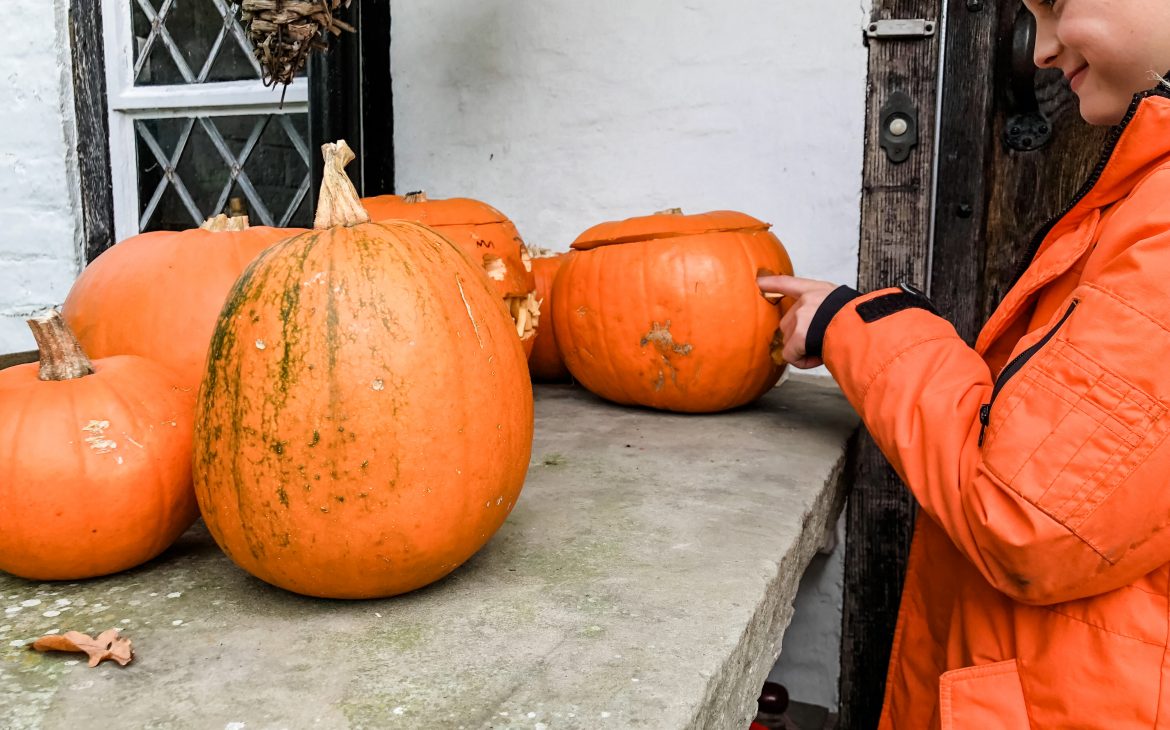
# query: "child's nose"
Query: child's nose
{"points": [[1047, 45]]}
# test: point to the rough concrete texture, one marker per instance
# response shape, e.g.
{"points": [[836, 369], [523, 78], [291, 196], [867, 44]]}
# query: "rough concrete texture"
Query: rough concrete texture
{"points": [[644, 580]]}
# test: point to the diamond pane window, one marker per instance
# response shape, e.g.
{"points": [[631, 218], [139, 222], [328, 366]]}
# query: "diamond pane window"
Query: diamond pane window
{"points": [[190, 167], [192, 125], [189, 42]]}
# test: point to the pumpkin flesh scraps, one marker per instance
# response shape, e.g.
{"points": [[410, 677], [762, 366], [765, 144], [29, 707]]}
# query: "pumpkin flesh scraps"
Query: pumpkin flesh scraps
{"points": [[108, 645], [525, 313]]}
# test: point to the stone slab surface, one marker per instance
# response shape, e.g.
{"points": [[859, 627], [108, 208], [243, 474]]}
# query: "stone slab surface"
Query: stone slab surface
{"points": [[643, 580]]}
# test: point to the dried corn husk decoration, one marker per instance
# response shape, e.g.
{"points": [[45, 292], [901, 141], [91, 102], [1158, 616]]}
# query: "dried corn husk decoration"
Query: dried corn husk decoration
{"points": [[285, 32]]}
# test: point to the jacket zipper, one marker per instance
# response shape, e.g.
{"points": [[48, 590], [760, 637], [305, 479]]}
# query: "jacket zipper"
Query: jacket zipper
{"points": [[1014, 367], [1107, 153]]}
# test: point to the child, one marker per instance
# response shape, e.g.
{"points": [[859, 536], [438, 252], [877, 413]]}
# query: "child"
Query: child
{"points": [[1036, 593]]}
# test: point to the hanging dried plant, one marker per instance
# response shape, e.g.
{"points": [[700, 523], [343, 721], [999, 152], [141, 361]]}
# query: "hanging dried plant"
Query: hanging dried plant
{"points": [[285, 32]]}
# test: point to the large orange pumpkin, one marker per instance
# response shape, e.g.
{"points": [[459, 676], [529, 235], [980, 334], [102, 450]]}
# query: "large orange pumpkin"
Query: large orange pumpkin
{"points": [[157, 294], [486, 235], [366, 420], [545, 363], [664, 311], [95, 461]]}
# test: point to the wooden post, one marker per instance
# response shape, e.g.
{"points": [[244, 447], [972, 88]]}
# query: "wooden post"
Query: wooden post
{"points": [[350, 98], [93, 126], [979, 239], [894, 247]]}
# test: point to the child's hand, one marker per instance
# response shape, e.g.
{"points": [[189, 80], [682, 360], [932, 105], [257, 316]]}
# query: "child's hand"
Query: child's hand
{"points": [[805, 297]]}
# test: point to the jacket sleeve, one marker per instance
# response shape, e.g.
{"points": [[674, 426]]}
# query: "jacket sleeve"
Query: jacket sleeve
{"points": [[1068, 495]]}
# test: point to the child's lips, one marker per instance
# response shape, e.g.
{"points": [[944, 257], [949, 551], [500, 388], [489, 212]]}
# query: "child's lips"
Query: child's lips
{"points": [[1076, 76]]}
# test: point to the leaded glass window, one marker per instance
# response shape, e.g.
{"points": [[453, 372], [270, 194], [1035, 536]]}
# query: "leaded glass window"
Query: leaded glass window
{"points": [[192, 126]]}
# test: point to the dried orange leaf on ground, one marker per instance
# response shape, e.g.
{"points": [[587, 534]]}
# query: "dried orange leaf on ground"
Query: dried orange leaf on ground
{"points": [[108, 645]]}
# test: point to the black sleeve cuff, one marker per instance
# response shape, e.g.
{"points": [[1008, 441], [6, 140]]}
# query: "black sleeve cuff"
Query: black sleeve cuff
{"points": [[814, 340]]}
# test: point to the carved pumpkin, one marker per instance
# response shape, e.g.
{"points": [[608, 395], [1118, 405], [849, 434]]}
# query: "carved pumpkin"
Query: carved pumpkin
{"points": [[366, 420], [545, 363], [158, 294], [664, 311], [95, 461], [486, 235]]}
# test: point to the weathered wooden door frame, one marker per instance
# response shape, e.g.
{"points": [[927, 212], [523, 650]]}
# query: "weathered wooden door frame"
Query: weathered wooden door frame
{"points": [[922, 223]]}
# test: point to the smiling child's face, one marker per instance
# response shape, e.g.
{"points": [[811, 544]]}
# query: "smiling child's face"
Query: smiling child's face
{"points": [[1108, 49]]}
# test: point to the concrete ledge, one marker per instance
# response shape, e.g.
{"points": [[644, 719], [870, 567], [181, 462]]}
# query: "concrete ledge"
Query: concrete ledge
{"points": [[644, 580]]}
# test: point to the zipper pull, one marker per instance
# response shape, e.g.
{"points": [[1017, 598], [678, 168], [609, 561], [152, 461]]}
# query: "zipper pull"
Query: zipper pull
{"points": [[984, 419]]}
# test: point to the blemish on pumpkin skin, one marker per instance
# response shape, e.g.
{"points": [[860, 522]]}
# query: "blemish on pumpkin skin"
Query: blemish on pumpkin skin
{"points": [[282, 495], [98, 441], [663, 341], [316, 439], [659, 335]]}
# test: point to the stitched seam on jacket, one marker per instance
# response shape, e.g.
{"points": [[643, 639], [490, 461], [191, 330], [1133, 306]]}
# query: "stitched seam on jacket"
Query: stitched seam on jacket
{"points": [[1117, 298], [1002, 483], [1021, 394], [1147, 642], [1065, 468], [1153, 447], [1055, 429], [1149, 404]]}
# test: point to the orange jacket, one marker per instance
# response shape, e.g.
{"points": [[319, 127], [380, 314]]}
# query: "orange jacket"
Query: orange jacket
{"points": [[1036, 594]]}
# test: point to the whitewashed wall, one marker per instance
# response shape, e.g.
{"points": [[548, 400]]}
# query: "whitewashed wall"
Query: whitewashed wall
{"points": [[39, 195], [564, 114]]}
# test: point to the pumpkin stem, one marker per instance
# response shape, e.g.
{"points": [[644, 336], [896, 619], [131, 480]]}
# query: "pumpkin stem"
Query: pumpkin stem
{"points": [[61, 354], [670, 211], [221, 223], [418, 196], [339, 203]]}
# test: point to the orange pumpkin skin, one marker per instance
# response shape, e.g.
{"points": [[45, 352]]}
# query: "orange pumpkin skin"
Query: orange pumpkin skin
{"points": [[545, 364], [95, 473], [158, 294], [663, 311], [366, 420], [485, 234]]}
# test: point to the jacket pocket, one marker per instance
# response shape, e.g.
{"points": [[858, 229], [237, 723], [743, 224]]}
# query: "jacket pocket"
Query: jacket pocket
{"points": [[985, 697], [1067, 432]]}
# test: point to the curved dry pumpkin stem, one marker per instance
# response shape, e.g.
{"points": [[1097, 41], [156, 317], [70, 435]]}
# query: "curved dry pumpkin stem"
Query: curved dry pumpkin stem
{"points": [[670, 211], [61, 355], [339, 203], [418, 196], [222, 222]]}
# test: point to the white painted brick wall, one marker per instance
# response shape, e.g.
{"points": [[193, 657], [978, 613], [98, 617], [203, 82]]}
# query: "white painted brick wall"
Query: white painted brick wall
{"points": [[564, 114], [40, 238]]}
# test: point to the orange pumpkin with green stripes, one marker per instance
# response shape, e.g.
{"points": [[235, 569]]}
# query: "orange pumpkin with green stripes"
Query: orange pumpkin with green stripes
{"points": [[365, 422]]}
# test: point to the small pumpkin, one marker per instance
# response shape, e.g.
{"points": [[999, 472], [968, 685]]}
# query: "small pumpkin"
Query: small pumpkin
{"points": [[95, 460], [545, 363], [366, 420], [158, 294], [486, 235], [663, 310]]}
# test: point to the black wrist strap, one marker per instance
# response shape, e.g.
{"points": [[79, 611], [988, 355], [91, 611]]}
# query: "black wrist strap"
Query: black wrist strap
{"points": [[814, 339]]}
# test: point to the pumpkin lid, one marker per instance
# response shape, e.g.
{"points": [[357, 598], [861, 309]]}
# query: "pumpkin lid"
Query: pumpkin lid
{"points": [[666, 224], [434, 212]]}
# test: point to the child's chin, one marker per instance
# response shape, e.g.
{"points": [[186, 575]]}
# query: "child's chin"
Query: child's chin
{"points": [[1102, 112]]}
